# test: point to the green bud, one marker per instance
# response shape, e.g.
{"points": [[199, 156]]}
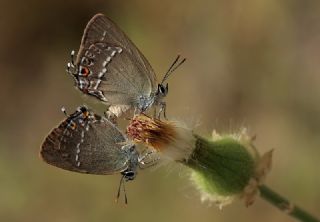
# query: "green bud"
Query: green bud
{"points": [[226, 167]]}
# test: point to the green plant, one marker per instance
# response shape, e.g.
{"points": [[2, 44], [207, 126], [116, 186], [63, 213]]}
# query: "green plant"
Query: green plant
{"points": [[223, 167]]}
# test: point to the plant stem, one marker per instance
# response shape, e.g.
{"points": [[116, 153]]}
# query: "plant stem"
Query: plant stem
{"points": [[285, 205]]}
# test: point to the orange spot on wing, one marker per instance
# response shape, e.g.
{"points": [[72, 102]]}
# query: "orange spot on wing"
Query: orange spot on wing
{"points": [[84, 71]]}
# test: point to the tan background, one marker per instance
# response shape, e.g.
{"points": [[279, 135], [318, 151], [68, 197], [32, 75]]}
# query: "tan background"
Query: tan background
{"points": [[250, 63]]}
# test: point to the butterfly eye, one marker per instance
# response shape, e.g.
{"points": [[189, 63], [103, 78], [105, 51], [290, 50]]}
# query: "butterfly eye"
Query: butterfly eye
{"points": [[161, 89], [84, 71], [73, 125], [84, 111]]}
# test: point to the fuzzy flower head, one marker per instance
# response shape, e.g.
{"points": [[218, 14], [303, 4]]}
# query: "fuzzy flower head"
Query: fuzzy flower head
{"points": [[152, 132], [169, 138], [223, 167]]}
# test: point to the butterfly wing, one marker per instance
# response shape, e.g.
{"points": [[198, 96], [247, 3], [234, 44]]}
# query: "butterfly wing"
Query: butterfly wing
{"points": [[86, 143], [110, 66]]}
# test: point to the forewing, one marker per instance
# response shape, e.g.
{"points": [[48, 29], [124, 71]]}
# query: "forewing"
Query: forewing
{"points": [[86, 143]]}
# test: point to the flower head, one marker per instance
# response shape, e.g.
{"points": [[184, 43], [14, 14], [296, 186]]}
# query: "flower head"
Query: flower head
{"points": [[170, 138]]}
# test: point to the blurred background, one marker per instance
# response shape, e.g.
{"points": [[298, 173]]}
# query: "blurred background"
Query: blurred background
{"points": [[249, 63]]}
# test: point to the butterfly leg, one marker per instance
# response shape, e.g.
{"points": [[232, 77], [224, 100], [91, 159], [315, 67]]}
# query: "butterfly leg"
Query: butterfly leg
{"points": [[148, 158], [154, 111], [162, 109], [154, 161], [145, 153], [135, 111], [124, 191]]}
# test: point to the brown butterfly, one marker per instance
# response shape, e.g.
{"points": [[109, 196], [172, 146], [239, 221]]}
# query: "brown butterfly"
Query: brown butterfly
{"points": [[111, 68]]}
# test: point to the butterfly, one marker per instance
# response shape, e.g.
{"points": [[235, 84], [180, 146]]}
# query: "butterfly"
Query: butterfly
{"points": [[111, 68], [88, 143]]}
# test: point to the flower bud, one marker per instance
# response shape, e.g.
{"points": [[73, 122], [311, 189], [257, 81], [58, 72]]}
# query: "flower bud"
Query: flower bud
{"points": [[223, 167]]}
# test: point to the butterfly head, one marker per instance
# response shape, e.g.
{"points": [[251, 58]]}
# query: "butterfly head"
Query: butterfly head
{"points": [[162, 90]]}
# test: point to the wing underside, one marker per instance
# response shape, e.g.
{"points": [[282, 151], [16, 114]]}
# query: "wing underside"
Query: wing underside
{"points": [[119, 73], [86, 146]]}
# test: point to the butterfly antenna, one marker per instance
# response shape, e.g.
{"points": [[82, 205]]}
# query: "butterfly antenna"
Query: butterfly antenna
{"points": [[72, 58], [168, 72], [119, 189], [125, 194], [63, 109], [173, 67], [177, 66], [71, 65]]}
